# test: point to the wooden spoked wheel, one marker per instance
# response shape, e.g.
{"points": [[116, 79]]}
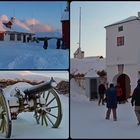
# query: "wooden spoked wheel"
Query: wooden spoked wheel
{"points": [[5, 116], [50, 112]]}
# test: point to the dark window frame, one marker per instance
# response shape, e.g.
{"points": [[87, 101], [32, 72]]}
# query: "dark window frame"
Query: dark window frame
{"points": [[120, 41], [18, 37], [120, 28], [12, 37]]}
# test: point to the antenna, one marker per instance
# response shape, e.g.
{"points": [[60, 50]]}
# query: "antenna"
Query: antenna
{"points": [[32, 26], [80, 29], [68, 6], [14, 12]]}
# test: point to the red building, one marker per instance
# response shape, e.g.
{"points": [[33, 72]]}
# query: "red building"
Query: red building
{"points": [[66, 28]]}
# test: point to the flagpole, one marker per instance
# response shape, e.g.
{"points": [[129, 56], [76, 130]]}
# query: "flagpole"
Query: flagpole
{"points": [[80, 29]]}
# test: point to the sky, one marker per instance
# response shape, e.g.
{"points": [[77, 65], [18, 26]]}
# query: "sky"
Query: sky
{"points": [[44, 12], [94, 17]]}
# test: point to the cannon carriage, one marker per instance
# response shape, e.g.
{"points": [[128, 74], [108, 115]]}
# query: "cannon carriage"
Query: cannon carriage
{"points": [[41, 99]]}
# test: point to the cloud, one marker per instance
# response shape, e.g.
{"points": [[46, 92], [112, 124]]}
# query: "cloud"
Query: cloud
{"points": [[32, 21], [25, 72], [42, 28], [23, 25], [31, 24], [3, 18], [36, 26]]}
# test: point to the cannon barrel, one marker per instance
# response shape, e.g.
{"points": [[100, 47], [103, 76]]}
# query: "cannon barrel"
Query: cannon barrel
{"points": [[39, 88]]}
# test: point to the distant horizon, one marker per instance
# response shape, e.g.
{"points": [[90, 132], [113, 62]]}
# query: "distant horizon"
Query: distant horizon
{"points": [[57, 74]]}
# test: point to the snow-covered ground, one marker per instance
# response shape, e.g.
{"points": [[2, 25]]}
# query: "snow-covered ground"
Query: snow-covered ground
{"points": [[26, 127], [87, 119], [32, 56]]}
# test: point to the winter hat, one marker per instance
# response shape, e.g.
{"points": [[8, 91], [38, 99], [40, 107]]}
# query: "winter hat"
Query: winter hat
{"points": [[111, 85]]}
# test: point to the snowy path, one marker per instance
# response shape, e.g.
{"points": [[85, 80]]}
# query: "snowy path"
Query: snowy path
{"points": [[88, 121], [25, 126]]}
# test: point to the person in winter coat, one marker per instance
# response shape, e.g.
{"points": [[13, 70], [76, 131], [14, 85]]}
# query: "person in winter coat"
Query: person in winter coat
{"points": [[58, 44], [119, 93], [136, 99], [111, 99], [101, 91]]}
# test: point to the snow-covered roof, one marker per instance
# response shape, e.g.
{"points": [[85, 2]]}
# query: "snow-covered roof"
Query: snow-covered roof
{"points": [[78, 50], [131, 18], [87, 65], [17, 28], [65, 15], [91, 73], [14, 28]]}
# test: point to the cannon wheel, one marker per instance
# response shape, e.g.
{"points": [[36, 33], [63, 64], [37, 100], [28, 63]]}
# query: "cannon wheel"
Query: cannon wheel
{"points": [[5, 116], [51, 112]]}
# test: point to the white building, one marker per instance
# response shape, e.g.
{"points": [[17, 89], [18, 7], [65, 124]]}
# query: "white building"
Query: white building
{"points": [[79, 53], [123, 53], [88, 78], [11, 32]]}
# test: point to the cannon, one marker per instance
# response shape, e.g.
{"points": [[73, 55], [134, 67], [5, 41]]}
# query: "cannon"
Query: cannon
{"points": [[42, 99]]}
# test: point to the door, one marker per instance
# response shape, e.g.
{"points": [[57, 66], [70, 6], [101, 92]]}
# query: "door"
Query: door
{"points": [[124, 82], [24, 38], [93, 89]]}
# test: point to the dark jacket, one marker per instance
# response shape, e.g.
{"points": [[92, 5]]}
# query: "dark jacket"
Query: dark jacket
{"points": [[111, 97], [136, 96], [101, 89]]}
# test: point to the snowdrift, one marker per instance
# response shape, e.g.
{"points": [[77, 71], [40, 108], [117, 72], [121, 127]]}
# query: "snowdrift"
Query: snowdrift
{"points": [[77, 93], [14, 55]]}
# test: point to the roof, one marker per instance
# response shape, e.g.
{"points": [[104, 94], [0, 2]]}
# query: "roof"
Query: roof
{"points": [[14, 28], [87, 65], [65, 15], [131, 18], [78, 51], [91, 73]]}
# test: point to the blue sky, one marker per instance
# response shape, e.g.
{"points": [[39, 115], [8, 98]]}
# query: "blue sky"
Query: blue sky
{"points": [[95, 16], [45, 11]]}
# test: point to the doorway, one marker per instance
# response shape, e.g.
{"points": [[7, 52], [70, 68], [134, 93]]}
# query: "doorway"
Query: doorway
{"points": [[93, 89], [24, 38], [124, 82]]}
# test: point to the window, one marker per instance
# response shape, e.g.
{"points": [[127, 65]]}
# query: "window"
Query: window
{"points": [[120, 28], [12, 37], [18, 37], [120, 41], [1, 36], [120, 68]]}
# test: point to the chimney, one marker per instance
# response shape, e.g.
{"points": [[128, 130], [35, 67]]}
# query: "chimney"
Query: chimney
{"points": [[139, 14], [10, 22], [13, 19]]}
